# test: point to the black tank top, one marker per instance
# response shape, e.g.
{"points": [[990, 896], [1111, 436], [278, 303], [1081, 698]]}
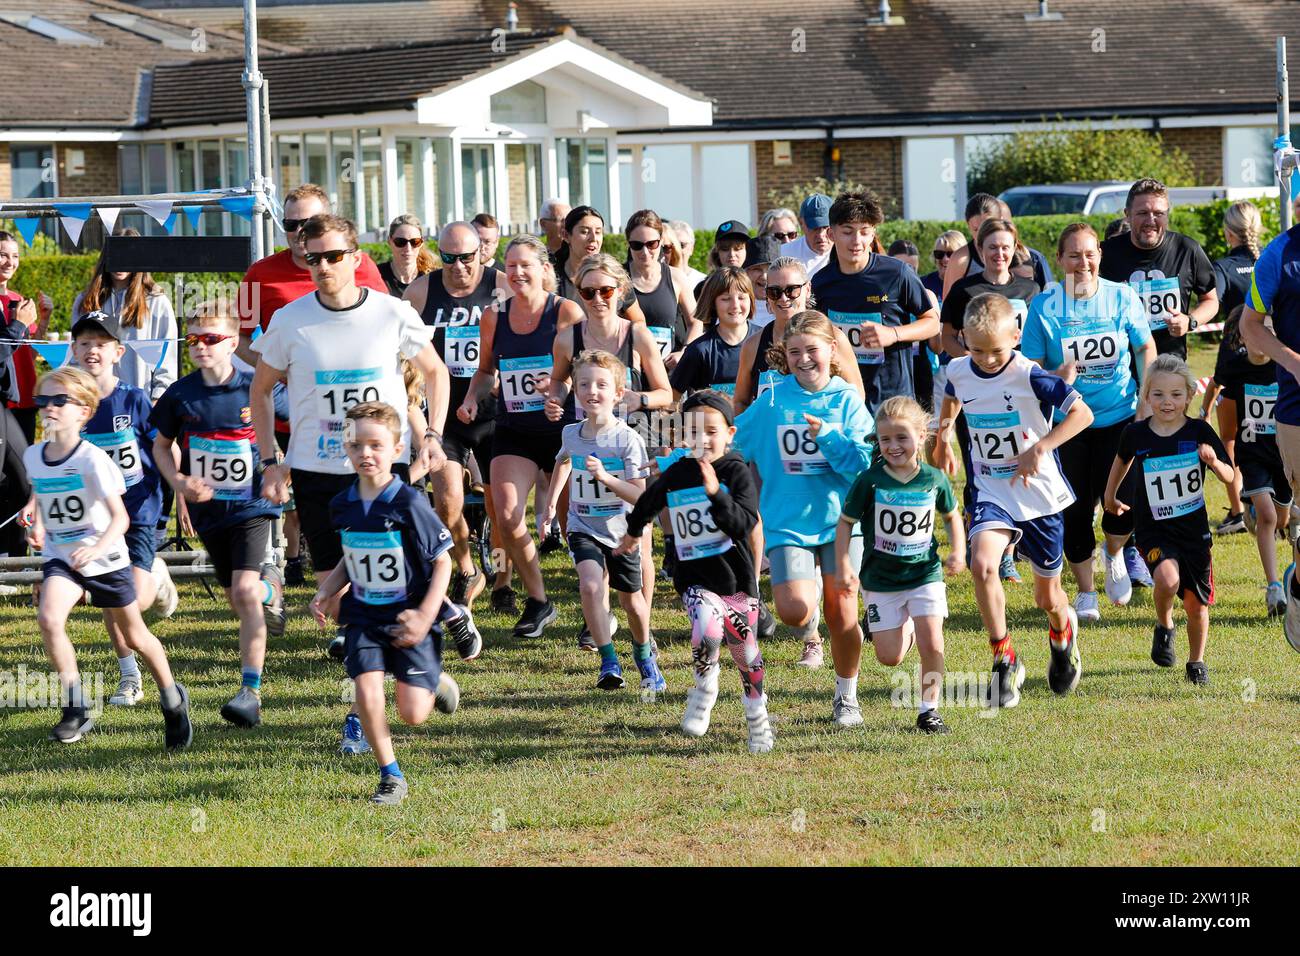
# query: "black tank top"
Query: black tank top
{"points": [[761, 373], [456, 322], [661, 312], [524, 363]]}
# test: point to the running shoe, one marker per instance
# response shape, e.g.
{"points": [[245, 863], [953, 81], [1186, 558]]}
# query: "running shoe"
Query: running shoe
{"points": [[391, 791], [1007, 570], [537, 615], [1198, 673], [929, 722], [1005, 682], [164, 604], [1085, 606], [552, 541], [585, 641], [1119, 589], [1248, 516], [74, 725], [447, 697], [354, 738], [1275, 598], [128, 693], [465, 587], [244, 709], [1162, 646], [293, 573], [651, 677], [468, 640], [1137, 568], [179, 730], [611, 675], [274, 612], [503, 601], [813, 656], [338, 646], [1065, 668], [766, 623], [699, 704], [761, 738], [1291, 623], [846, 713], [1232, 524]]}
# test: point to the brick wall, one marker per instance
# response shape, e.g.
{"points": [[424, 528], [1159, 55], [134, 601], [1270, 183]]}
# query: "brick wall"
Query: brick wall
{"points": [[876, 163], [1204, 147], [6, 177], [99, 179]]}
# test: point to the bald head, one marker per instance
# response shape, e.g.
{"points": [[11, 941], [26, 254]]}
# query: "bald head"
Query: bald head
{"points": [[458, 237]]}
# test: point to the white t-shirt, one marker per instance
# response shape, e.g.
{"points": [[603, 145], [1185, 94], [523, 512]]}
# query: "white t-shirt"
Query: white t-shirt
{"points": [[336, 359], [72, 496], [798, 249]]}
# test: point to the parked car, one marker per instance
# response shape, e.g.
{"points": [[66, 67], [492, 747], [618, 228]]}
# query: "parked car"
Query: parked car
{"points": [[1108, 197]]}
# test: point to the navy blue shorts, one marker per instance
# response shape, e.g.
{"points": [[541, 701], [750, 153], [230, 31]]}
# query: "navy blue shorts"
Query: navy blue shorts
{"points": [[1040, 541], [368, 648], [141, 545], [114, 589]]}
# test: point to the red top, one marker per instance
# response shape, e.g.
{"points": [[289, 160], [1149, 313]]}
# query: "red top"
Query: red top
{"points": [[275, 281], [24, 359]]}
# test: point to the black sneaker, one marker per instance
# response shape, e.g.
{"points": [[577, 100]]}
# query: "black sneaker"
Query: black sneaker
{"points": [[1162, 647], [537, 614], [503, 600], [338, 648], [929, 722], [468, 640], [1198, 673], [552, 541], [766, 623], [293, 573], [461, 586], [179, 731], [585, 641], [1004, 688], [1066, 666], [1233, 524], [74, 725]]}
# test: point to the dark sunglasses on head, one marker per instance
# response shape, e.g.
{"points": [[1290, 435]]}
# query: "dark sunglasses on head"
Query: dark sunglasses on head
{"points": [[58, 401], [636, 245], [785, 236], [333, 257], [207, 338], [293, 225], [402, 243], [784, 292], [466, 257], [942, 254], [590, 292]]}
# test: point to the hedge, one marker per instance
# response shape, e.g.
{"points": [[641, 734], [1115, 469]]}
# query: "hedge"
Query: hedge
{"points": [[63, 276]]}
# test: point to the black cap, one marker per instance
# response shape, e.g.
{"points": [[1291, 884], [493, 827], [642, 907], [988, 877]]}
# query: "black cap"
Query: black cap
{"points": [[708, 398], [731, 229], [762, 250], [94, 322]]}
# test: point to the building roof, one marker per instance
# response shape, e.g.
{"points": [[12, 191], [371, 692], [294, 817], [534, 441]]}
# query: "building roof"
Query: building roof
{"points": [[773, 63], [48, 83]]}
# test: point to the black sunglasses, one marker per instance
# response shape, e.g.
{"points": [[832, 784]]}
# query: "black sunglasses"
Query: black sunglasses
{"points": [[402, 243], [790, 292], [636, 245], [466, 257], [942, 254], [785, 236], [590, 292], [58, 401], [333, 257], [293, 225]]}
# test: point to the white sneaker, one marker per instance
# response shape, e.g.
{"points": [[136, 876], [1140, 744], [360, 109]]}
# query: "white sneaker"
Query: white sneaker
{"points": [[164, 604], [1291, 620], [128, 693], [1118, 586], [761, 738], [699, 704], [846, 713], [1085, 605]]}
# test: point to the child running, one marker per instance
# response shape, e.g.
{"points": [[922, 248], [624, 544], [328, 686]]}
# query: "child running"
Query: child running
{"points": [[713, 506], [1173, 532], [725, 308], [77, 520], [1019, 492], [807, 436], [395, 556], [896, 500], [604, 456]]}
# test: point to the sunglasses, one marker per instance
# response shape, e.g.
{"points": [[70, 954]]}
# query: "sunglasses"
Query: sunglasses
{"points": [[58, 401], [403, 243], [942, 254], [790, 292], [333, 257], [207, 338], [636, 245], [466, 257], [293, 225], [606, 292], [785, 236]]}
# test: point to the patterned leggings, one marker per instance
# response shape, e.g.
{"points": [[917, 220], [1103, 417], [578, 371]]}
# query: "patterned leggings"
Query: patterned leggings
{"points": [[734, 618]]}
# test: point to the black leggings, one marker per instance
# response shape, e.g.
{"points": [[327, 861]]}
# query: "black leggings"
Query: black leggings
{"points": [[15, 489], [1086, 460]]}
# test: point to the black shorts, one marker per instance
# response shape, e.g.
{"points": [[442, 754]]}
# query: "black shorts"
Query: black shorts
{"points": [[538, 447], [459, 441], [313, 491], [624, 569], [237, 547], [1195, 567], [1262, 472], [368, 648], [113, 589]]}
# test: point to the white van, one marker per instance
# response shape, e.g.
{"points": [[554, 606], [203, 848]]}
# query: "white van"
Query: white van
{"points": [[1085, 199]]}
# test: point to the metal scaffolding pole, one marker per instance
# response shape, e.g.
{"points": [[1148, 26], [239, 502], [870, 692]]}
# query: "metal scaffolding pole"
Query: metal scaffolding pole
{"points": [[252, 82]]}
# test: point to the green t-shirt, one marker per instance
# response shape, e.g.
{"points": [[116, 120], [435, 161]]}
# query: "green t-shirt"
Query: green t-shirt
{"points": [[898, 522]]}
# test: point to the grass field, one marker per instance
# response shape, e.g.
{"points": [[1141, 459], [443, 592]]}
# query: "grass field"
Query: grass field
{"points": [[538, 767]]}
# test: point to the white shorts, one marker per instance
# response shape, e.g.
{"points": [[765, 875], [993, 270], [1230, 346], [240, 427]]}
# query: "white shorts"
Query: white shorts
{"points": [[887, 610]]}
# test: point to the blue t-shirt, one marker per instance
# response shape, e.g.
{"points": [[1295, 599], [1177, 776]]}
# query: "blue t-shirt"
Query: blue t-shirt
{"points": [[1096, 334], [389, 546], [1275, 290], [214, 426], [709, 362], [886, 292], [120, 427]]}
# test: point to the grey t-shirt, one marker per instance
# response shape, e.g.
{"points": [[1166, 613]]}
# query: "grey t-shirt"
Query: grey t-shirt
{"points": [[593, 508]]}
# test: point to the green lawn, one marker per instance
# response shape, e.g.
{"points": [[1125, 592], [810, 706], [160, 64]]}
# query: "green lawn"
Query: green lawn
{"points": [[539, 767]]}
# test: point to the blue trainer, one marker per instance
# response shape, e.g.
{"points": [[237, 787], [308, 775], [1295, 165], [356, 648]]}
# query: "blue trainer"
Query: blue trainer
{"points": [[354, 738], [1137, 568], [651, 678], [1007, 570], [611, 675]]}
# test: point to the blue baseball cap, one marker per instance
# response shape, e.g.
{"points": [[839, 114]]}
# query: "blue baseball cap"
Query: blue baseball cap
{"points": [[815, 211]]}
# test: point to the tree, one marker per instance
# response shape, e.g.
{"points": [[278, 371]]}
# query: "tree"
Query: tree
{"points": [[1076, 154]]}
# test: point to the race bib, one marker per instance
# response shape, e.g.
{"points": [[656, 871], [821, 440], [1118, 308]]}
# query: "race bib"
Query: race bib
{"points": [[995, 443], [65, 508], [695, 534], [904, 522], [461, 350], [590, 498], [663, 335], [800, 453], [851, 324], [376, 566], [1021, 309], [337, 391], [1096, 354], [124, 450], [1162, 298], [524, 382], [767, 379], [225, 465], [1259, 419], [1174, 485]]}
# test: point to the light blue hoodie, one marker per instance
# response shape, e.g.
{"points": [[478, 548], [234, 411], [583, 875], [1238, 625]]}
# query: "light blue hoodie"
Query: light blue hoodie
{"points": [[804, 481]]}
